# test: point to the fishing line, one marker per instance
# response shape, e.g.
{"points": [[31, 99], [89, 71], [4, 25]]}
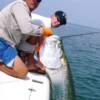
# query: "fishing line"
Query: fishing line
{"points": [[68, 36]]}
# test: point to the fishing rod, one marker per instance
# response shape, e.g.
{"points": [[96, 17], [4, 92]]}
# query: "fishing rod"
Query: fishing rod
{"points": [[68, 36]]}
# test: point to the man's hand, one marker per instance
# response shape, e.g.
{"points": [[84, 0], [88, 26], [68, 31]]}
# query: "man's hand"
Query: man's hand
{"points": [[47, 31]]}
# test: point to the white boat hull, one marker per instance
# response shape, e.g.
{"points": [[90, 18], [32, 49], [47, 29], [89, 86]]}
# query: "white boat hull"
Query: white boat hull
{"points": [[34, 87]]}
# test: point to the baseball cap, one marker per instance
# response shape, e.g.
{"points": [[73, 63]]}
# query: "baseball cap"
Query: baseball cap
{"points": [[61, 17], [38, 1]]}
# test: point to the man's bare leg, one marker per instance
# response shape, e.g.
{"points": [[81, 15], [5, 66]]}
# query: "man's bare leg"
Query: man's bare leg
{"points": [[18, 70], [35, 65], [32, 64]]}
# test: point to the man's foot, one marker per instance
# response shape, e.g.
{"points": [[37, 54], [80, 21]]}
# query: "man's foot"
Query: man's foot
{"points": [[37, 68], [41, 67]]}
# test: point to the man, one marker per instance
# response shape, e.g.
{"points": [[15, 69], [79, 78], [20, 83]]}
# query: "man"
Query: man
{"points": [[57, 19], [33, 43], [15, 22]]}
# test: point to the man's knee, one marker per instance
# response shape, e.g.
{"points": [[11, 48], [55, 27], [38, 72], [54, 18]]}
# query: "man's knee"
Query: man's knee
{"points": [[20, 68], [21, 73]]}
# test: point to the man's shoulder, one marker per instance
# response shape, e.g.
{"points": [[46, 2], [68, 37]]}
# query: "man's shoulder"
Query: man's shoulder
{"points": [[17, 2]]}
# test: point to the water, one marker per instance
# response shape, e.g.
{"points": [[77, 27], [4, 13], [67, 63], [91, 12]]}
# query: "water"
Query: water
{"points": [[83, 52]]}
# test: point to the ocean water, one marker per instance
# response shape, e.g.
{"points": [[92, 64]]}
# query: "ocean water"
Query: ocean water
{"points": [[82, 48]]}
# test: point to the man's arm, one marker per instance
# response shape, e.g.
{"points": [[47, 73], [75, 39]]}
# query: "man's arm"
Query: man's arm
{"points": [[23, 19], [41, 20]]}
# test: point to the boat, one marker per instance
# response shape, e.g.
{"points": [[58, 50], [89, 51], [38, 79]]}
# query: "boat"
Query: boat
{"points": [[33, 87], [51, 86]]}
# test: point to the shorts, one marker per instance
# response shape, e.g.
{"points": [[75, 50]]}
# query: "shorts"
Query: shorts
{"points": [[26, 47], [7, 53]]}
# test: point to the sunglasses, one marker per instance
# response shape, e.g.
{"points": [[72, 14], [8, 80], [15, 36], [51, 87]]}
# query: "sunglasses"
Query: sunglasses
{"points": [[38, 1]]}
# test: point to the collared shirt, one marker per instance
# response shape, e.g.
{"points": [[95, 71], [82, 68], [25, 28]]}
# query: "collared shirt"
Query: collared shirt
{"points": [[15, 20]]}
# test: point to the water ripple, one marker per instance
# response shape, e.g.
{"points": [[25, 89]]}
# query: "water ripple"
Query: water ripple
{"points": [[84, 59]]}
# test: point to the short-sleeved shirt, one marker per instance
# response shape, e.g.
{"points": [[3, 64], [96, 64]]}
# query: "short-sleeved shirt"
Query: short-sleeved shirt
{"points": [[41, 20]]}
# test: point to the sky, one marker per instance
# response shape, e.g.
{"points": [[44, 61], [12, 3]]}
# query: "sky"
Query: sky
{"points": [[82, 12]]}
